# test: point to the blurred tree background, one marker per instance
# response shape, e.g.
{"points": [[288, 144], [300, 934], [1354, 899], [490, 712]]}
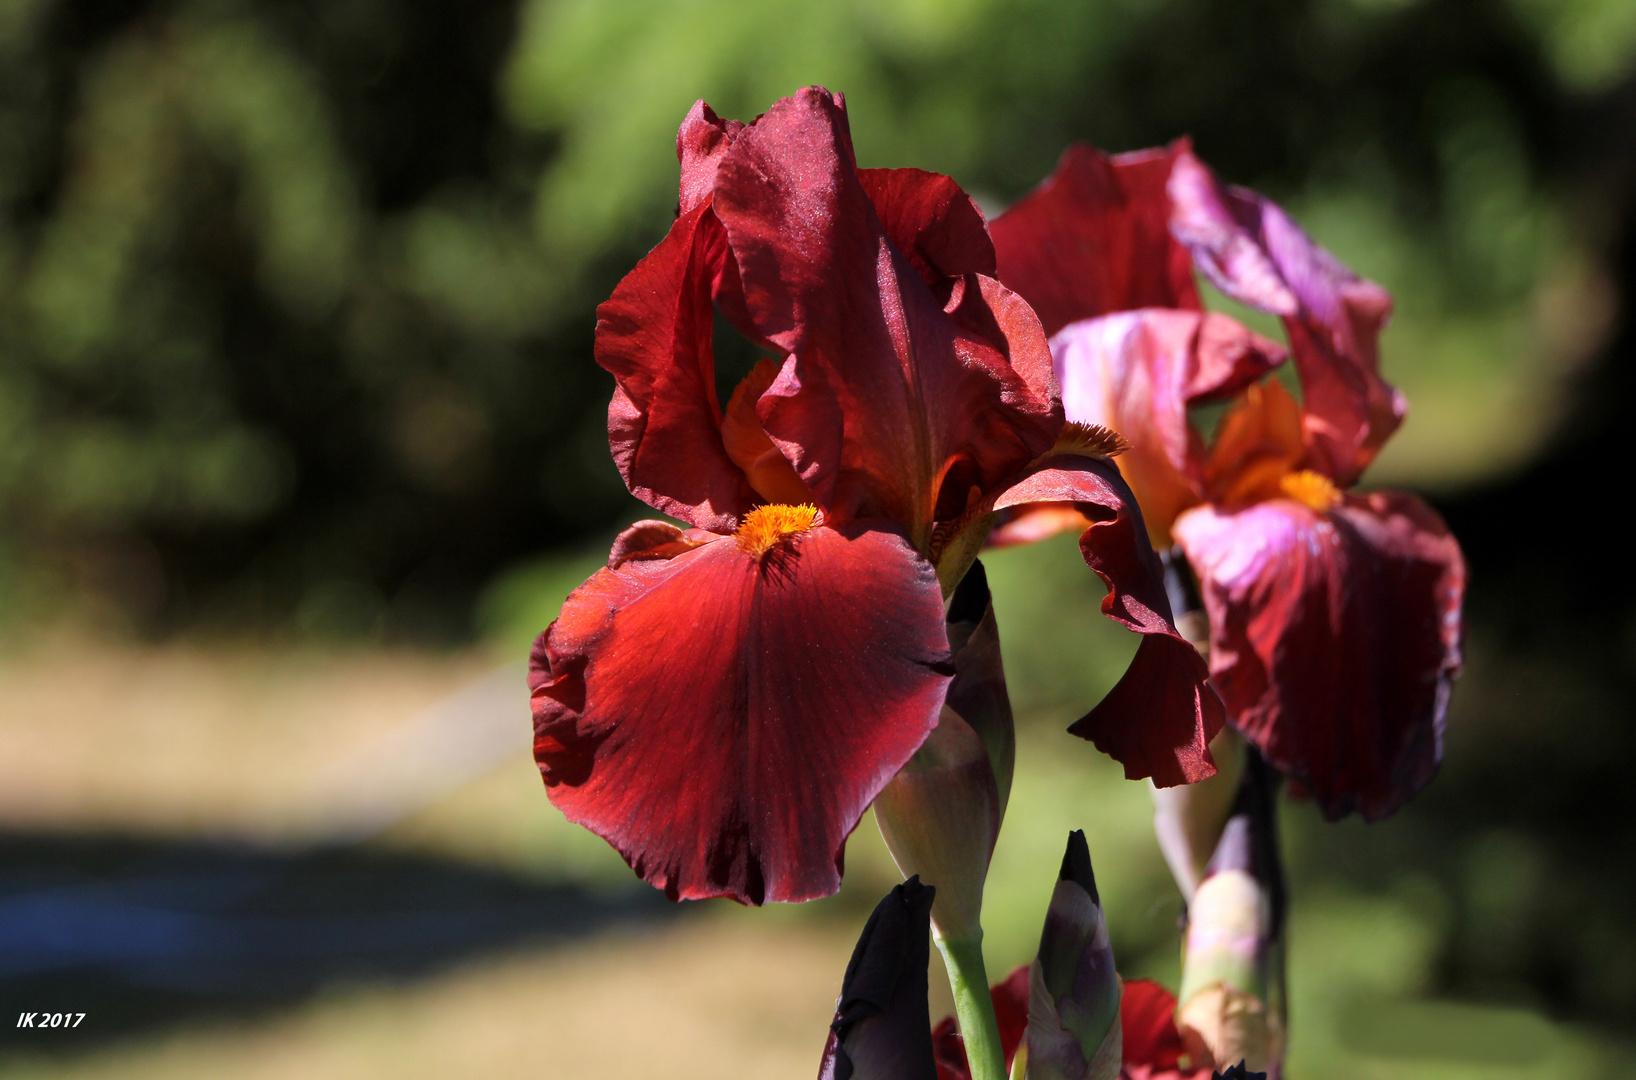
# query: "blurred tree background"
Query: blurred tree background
{"points": [[297, 299]]}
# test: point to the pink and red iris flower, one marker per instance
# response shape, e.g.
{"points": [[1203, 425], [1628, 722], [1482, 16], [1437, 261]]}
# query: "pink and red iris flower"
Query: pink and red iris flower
{"points": [[1335, 628], [726, 698]]}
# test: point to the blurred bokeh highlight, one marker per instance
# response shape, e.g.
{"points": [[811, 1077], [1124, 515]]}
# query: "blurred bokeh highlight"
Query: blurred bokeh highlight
{"points": [[301, 442]]}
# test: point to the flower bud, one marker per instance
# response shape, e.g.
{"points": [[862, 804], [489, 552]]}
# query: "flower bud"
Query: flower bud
{"points": [[1073, 1010], [882, 1028], [1232, 975], [940, 816]]}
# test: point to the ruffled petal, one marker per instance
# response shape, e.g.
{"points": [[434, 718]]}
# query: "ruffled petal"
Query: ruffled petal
{"points": [[1159, 719], [931, 221], [1137, 372], [883, 385], [1335, 639], [724, 719], [1094, 238], [654, 336], [1253, 252], [700, 143]]}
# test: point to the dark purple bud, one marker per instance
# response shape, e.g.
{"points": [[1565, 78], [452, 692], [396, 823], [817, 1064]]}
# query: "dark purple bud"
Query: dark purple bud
{"points": [[882, 1029]]}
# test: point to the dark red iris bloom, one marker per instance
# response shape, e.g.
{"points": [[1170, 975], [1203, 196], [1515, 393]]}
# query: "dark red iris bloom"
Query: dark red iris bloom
{"points": [[723, 702], [1334, 617]]}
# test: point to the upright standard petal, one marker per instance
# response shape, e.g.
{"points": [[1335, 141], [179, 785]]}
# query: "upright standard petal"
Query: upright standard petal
{"points": [[664, 424], [884, 387], [1094, 238], [1253, 252], [724, 717], [1335, 637], [1138, 372], [700, 143], [1159, 719]]}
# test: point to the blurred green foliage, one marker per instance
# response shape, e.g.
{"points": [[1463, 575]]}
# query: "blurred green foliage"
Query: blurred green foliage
{"points": [[296, 299]]}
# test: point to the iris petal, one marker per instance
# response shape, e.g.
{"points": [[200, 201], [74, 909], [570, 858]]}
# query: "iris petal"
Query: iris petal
{"points": [[1251, 250], [724, 719], [1159, 719], [1335, 639], [1094, 238]]}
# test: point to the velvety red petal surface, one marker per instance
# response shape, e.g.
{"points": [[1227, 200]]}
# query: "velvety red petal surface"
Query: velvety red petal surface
{"points": [[1137, 372], [1010, 997], [885, 388], [1159, 719], [1335, 639], [1253, 252], [931, 221], [654, 336], [724, 721], [1094, 238], [700, 142], [1153, 1048]]}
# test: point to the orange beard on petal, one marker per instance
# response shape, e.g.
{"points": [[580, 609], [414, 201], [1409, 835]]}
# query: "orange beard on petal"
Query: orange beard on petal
{"points": [[1311, 489], [762, 528]]}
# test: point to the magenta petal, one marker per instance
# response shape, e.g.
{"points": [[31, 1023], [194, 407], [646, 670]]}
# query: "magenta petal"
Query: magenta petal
{"points": [[1094, 238], [664, 423], [725, 720], [1335, 639], [1159, 719], [1137, 372], [1254, 253]]}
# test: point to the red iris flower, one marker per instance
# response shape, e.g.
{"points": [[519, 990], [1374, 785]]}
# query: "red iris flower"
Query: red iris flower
{"points": [[1334, 616], [724, 701]]}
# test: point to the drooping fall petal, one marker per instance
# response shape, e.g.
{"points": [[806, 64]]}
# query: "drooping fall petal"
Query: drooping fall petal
{"points": [[882, 1030], [931, 221], [1335, 638], [724, 717], [1251, 250], [1094, 238], [1138, 372], [1159, 719], [885, 387]]}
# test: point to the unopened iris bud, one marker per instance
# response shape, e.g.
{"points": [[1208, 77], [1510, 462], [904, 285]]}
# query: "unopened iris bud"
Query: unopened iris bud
{"points": [[941, 814], [1073, 1010], [1232, 975], [882, 1029]]}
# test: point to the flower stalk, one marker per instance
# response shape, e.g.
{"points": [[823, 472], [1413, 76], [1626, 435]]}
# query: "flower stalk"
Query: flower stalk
{"points": [[940, 816], [973, 1005]]}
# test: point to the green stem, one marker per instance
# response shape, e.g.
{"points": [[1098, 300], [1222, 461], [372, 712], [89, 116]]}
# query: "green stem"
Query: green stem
{"points": [[963, 957]]}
